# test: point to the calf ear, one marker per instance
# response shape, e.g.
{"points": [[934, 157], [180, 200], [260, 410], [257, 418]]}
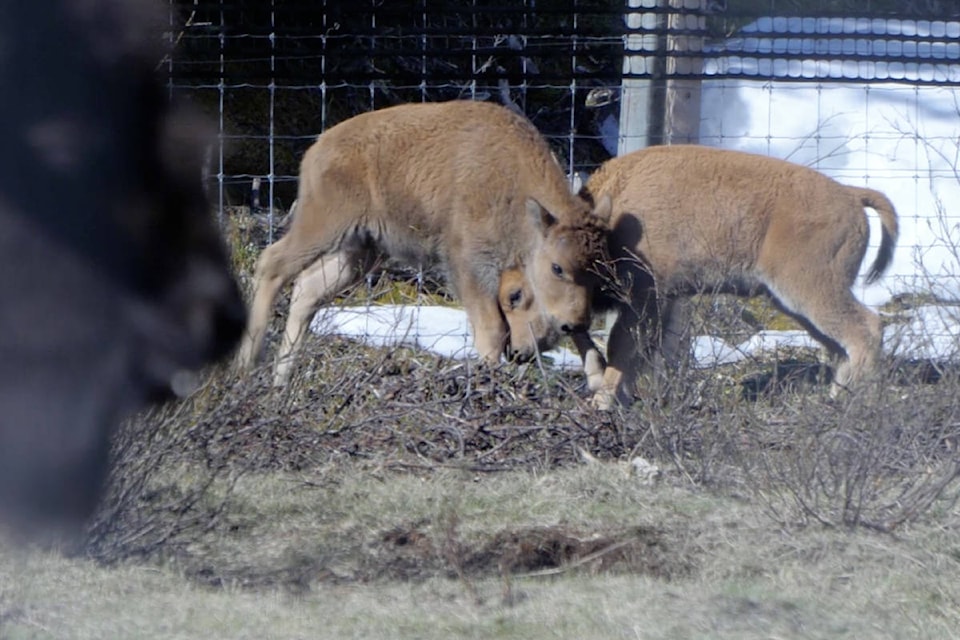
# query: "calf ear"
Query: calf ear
{"points": [[541, 218], [603, 208]]}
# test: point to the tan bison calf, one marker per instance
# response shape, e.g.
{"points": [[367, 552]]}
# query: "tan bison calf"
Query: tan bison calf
{"points": [[470, 186], [690, 219]]}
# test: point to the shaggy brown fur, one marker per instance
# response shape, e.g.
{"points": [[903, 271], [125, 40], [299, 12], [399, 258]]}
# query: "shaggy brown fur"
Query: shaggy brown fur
{"points": [[114, 279], [469, 185], [692, 219]]}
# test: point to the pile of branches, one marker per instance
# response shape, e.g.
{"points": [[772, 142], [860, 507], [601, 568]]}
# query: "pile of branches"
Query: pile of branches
{"points": [[395, 409]]}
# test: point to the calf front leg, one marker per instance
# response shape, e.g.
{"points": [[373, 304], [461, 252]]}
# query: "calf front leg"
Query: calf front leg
{"points": [[623, 361], [594, 364], [628, 348], [490, 331]]}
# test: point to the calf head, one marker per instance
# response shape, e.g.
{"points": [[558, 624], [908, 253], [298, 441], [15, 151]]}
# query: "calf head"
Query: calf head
{"points": [[530, 330], [566, 267]]}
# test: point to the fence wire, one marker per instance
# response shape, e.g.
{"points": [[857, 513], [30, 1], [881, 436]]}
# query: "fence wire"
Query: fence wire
{"points": [[865, 91]]}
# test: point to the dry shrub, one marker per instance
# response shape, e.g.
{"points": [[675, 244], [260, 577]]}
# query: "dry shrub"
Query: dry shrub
{"points": [[166, 462], [763, 429], [393, 408], [879, 459]]}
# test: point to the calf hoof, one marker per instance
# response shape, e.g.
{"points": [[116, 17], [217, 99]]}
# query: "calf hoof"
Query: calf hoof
{"points": [[603, 400], [593, 367], [245, 358], [281, 375]]}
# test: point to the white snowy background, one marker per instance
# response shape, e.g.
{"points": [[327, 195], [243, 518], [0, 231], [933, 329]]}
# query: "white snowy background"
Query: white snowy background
{"points": [[893, 136], [899, 138]]}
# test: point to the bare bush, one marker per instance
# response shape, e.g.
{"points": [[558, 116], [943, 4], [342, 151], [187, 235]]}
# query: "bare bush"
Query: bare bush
{"points": [[394, 409], [876, 460], [766, 428]]}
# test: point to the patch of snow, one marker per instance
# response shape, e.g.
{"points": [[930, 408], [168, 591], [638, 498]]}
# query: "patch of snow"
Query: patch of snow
{"points": [[441, 330], [710, 351], [932, 333]]}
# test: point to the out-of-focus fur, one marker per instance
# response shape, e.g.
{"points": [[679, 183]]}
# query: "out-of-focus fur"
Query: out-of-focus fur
{"points": [[113, 277]]}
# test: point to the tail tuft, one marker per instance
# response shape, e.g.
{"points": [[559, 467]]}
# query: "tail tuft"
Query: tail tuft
{"points": [[888, 221]]}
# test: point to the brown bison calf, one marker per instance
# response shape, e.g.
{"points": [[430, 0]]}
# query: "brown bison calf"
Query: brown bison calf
{"points": [[112, 273], [690, 219], [471, 186]]}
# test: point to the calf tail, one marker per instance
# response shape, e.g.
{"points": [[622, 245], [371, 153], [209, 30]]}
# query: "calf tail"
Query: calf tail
{"points": [[888, 220]]}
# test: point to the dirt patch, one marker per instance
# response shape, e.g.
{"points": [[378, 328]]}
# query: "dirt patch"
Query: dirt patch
{"points": [[547, 550], [413, 553]]}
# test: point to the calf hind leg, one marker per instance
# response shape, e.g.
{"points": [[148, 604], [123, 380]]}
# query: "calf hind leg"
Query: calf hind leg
{"points": [[861, 337], [851, 331], [326, 277], [275, 267]]}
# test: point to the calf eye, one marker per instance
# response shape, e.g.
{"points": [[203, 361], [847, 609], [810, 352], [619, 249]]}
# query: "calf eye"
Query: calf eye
{"points": [[557, 270], [515, 298]]}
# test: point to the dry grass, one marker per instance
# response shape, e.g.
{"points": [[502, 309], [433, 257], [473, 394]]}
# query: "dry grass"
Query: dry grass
{"points": [[367, 553], [396, 494]]}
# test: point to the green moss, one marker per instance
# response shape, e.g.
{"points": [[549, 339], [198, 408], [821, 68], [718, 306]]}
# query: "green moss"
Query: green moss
{"points": [[762, 313]]}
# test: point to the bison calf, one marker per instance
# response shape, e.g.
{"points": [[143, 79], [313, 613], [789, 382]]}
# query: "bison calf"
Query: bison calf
{"points": [[470, 186], [690, 219]]}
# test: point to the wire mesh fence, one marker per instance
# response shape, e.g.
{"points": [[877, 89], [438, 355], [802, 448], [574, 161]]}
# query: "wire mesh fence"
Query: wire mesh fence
{"points": [[864, 91], [280, 73]]}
